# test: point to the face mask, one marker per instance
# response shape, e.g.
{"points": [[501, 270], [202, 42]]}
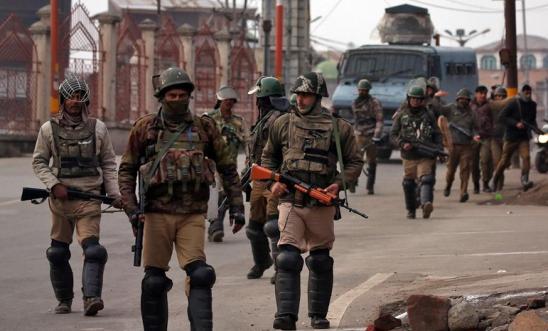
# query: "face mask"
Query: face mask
{"points": [[175, 110]]}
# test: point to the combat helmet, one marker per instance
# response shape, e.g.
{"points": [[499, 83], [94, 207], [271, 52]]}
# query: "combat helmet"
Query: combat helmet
{"points": [[72, 84], [364, 84], [501, 91], [312, 82], [226, 92], [463, 93], [267, 86], [172, 77], [434, 83], [416, 91]]}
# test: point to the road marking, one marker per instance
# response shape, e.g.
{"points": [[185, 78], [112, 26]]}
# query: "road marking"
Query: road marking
{"points": [[460, 255], [339, 306], [10, 202]]}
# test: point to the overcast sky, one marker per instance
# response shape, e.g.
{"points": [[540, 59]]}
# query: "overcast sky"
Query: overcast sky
{"points": [[355, 21]]}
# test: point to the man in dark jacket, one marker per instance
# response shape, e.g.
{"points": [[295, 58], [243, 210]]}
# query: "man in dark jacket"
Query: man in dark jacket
{"points": [[519, 117]]}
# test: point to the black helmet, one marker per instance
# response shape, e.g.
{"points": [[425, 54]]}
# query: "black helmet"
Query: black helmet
{"points": [[312, 82], [170, 78], [72, 84]]}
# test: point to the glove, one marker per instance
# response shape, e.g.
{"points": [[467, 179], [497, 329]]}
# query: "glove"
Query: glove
{"points": [[59, 191], [237, 221], [117, 203], [134, 219]]}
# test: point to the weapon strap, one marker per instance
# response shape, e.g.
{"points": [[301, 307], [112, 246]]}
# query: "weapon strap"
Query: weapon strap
{"points": [[339, 153], [162, 153]]}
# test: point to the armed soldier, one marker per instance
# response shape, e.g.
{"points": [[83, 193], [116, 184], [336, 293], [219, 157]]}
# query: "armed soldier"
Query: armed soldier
{"points": [[235, 132], [83, 159], [306, 144], [498, 131], [434, 93], [464, 131], [368, 125], [263, 218], [416, 133], [173, 151], [520, 118]]}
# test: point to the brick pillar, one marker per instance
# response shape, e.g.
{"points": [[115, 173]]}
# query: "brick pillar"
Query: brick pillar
{"points": [[148, 28], [187, 33], [108, 26], [223, 45], [40, 32]]}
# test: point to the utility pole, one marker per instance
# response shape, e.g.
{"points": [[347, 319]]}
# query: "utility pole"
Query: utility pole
{"points": [[525, 49], [511, 46], [54, 29], [267, 28]]}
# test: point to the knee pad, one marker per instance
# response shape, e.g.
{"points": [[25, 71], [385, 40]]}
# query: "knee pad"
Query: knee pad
{"points": [[289, 259], [271, 228], [201, 274], [428, 180], [155, 282], [96, 253], [254, 230], [319, 261], [408, 183], [58, 253]]}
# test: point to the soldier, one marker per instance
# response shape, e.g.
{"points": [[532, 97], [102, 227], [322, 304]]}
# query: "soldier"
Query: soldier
{"points": [[498, 132], [263, 218], [234, 130], [519, 117], [173, 151], [413, 126], [481, 155], [464, 131], [303, 144], [83, 159], [433, 96], [368, 125]]}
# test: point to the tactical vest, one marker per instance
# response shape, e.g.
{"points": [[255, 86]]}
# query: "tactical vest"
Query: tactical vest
{"points": [[365, 116], [184, 164], [260, 135], [308, 145], [76, 150], [417, 127]]}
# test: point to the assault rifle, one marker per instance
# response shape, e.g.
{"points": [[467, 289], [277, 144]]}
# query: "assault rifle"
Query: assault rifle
{"points": [[38, 195], [325, 198], [244, 182], [461, 130], [427, 150], [137, 247]]}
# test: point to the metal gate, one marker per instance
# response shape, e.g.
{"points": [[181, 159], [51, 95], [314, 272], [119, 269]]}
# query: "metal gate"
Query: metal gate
{"points": [[168, 50], [130, 72], [79, 52], [205, 69], [243, 76], [17, 79]]}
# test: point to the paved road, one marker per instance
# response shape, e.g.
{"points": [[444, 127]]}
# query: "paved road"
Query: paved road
{"points": [[372, 258]]}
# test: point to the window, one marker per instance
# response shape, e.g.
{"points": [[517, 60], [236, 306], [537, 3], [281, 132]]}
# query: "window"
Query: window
{"points": [[382, 65], [453, 68], [488, 62], [545, 62], [528, 61]]}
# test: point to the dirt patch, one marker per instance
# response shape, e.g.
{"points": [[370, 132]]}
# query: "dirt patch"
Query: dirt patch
{"points": [[537, 196]]}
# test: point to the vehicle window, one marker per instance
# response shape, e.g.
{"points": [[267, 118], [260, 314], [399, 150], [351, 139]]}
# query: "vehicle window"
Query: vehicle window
{"points": [[453, 68], [376, 66]]}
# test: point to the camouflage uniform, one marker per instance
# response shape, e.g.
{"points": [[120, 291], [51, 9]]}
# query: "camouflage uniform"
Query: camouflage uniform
{"points": [[176, 196], [368, 125], [263, 218], [83, 159], [302, 144], [235, 132], [416, 125], [463, 126]]}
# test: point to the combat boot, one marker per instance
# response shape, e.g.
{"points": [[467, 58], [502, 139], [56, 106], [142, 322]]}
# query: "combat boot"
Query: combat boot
{"points": [[64, 307], [259, 248], [372, 173], [464, 197], [476, 188], [486, 187], [447, 190], [410, 194], [92, 306], [526, 183], [427, 195]]}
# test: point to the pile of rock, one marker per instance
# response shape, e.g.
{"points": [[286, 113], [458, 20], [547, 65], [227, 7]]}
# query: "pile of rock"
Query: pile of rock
{"points": [[514, 311]]}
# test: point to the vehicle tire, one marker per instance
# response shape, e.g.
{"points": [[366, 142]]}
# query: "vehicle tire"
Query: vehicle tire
{"points": [[541, 162]]}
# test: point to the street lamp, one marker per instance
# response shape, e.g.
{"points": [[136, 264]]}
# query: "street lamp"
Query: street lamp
{"points": [[462, 37]]}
